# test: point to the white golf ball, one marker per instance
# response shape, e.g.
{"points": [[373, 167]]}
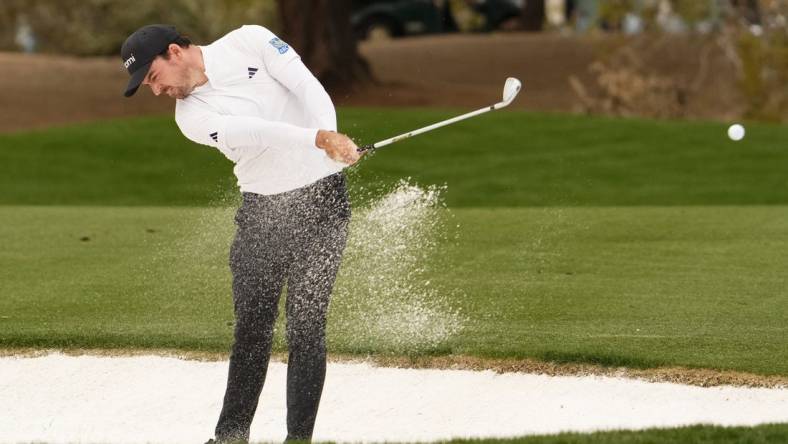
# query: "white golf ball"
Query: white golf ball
{"points": [[736, 132]]}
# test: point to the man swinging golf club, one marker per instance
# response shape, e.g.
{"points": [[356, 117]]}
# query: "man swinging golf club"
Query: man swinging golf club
{"points": [[249, 95]]}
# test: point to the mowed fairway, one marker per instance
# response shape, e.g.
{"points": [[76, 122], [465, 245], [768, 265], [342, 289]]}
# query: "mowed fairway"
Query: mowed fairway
{"points": [[617, 286], [570, 239], [771, 433]]}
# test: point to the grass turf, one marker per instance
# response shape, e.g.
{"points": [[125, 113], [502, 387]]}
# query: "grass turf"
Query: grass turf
{"points": [[501, 159], [763, 434], [619, 242], [637, 287], [659, 243]]}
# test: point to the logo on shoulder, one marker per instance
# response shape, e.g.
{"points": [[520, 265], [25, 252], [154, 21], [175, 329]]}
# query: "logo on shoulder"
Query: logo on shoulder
{"points": [[214, 136], [252, 71], [280, 46]]}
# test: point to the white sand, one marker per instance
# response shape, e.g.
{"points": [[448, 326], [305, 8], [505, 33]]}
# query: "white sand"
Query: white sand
{"points": [[58, 398]]}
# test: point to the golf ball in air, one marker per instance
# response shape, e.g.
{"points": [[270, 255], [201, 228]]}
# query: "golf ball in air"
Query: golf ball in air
{"points": [[736, 132]]}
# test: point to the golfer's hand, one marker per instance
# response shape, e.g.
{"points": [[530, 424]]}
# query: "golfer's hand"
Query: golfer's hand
{"points": [[338, 146]]}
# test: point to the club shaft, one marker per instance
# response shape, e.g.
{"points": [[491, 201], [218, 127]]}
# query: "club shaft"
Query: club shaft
{"points": [[383, 143]]}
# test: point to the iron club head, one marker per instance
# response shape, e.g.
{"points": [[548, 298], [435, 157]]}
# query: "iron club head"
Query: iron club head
{"points": [[510, 90]]}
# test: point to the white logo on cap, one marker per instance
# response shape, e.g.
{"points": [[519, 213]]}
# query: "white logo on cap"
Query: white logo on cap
{"points": [[129, 61]]}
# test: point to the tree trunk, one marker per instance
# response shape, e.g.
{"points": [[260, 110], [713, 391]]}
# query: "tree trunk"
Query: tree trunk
{"points": [[533, 15], [320, 31]]}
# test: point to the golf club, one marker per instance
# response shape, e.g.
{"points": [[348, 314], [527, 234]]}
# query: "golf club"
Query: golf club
{"points": [[510, 90]]}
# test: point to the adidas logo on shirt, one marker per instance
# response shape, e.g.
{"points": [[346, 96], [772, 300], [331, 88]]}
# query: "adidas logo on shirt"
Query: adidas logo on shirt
{"points": [[214, 136], [252, 72]]}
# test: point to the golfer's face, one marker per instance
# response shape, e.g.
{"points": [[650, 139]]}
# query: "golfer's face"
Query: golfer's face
{"points": [[169, 77]]}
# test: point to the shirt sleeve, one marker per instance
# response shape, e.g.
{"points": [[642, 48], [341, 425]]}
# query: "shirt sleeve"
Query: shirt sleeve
{"points": [[285, 65], [229, 134]]}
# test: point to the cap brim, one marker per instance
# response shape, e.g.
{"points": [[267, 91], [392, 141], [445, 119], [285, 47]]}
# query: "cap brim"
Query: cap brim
{"points": [[136, 80]]}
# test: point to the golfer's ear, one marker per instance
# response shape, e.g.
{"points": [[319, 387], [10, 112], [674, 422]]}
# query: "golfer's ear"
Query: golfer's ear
{"points": [[175, 50]]}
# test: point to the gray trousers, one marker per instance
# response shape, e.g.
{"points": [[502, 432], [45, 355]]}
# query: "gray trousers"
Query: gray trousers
{"points": [[294, 238]]}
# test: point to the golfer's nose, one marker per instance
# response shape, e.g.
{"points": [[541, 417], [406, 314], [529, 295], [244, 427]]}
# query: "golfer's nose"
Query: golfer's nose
{"points": [[156, 89]]}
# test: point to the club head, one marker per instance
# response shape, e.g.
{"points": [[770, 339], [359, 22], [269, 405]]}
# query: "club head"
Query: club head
{"points": [[510, 90]]}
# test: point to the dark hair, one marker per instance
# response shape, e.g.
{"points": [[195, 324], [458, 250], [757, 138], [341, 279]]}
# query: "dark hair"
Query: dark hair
{"points": [[181, 41]]}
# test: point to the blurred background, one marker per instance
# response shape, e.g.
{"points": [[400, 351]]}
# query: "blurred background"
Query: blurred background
{"points": [[697, 59]]}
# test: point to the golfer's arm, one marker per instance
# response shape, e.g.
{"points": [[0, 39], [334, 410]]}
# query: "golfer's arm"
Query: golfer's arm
{"points": [[232, 133], [314, 99], [243, 131]]}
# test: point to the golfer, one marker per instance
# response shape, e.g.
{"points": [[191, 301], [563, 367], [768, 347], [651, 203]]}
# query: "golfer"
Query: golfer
{"points": [[249, 95]]}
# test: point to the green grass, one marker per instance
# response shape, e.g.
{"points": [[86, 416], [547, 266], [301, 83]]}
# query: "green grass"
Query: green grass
{"points": [[763, 434], [611, 241], [501, 159], [570, 239], [638, 287]]}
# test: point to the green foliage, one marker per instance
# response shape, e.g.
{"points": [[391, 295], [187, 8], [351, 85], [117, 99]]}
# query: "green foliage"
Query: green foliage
{"points": [[693, 11], [9, 11], [612, 12], [764, 74], [99, 27]]}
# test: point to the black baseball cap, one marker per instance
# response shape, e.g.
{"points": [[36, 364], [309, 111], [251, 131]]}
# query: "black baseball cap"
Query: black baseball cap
{"points": [[141, 48]]}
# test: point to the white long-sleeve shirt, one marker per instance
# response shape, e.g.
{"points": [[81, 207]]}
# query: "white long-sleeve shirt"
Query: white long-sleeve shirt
{"points": [[262, 108]]}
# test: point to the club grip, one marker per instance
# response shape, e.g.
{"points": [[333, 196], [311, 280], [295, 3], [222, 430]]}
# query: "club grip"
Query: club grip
{"points": [[364, 148]]}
